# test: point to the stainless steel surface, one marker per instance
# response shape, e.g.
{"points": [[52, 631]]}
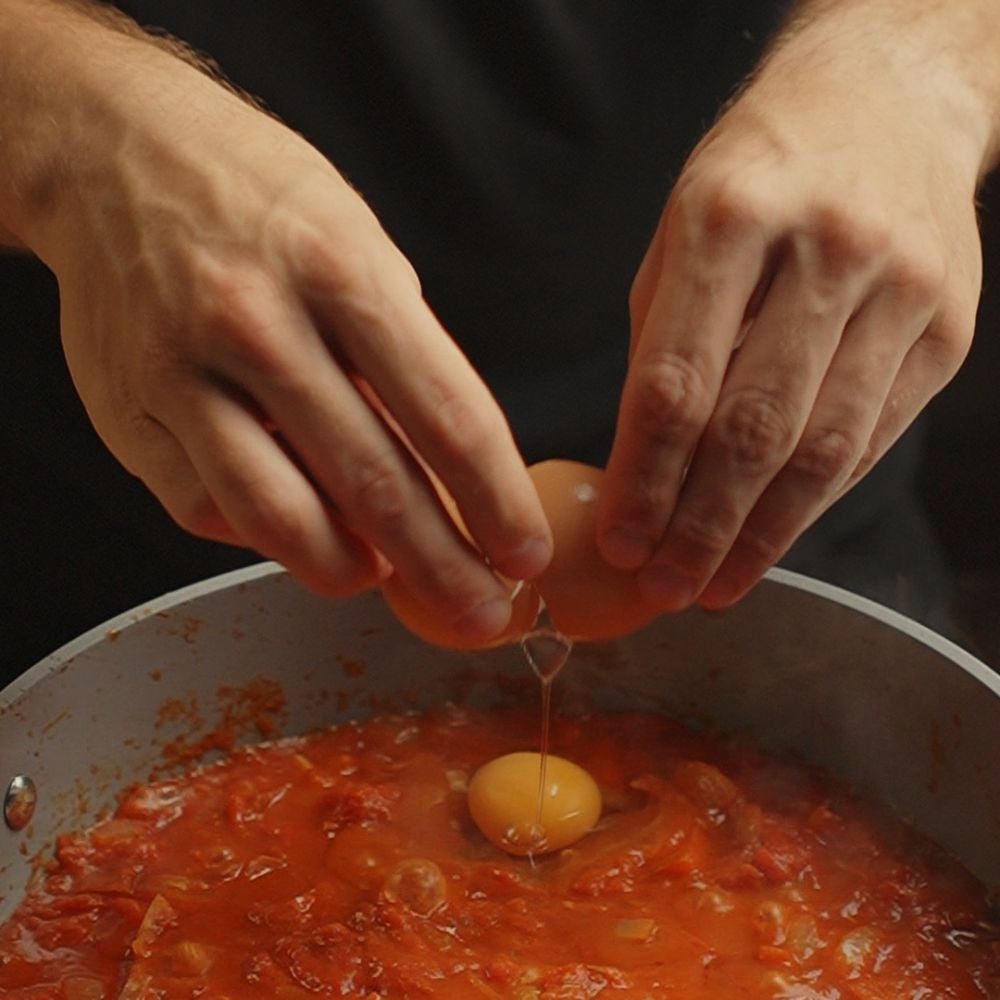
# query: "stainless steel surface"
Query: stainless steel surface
{"points": [[800, 667], [19, 802]]}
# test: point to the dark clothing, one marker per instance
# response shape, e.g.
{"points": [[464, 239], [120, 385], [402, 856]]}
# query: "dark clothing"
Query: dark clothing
{"points": [[520, 154]]}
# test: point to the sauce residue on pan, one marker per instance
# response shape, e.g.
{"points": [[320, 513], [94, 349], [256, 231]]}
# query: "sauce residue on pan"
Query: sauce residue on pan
{"points": [[345, 864]]}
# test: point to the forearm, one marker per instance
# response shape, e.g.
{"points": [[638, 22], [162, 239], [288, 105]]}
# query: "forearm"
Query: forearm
{"points": [[948, 52], [76, 83]]}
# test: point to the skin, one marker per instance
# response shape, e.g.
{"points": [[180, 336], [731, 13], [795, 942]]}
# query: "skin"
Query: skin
{"points": [[245, 337], [243, 333], [812, 284]]}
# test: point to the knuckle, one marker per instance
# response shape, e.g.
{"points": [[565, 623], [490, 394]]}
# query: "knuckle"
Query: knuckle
{"points": [[849, 240], [329, 261], [824, 457], [732, 208], [865, 463], [237, 320], [353, 297], [669, 399], [918, 278], [347, 573], [764, 549], [754, 428], [378, 495], [344, 265], [649, 502], [454, 582], [703, 535], [464, 431], [196, 513], [944, 346], [450, 585], [274, 522]]}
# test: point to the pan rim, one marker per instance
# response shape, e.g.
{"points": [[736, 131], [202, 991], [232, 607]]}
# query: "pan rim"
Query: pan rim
{"points": [[58, 659]]}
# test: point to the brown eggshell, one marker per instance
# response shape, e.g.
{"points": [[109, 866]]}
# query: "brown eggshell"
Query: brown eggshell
{"points": [[585, 596], [430, 627]]}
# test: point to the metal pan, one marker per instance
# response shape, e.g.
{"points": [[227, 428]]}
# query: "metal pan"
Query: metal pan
{"points": [[799, 666]]}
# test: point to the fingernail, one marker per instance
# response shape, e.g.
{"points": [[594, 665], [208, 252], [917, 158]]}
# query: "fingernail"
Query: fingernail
{"points": [[626, 547], [528, 559], [666, 588], [485, 620]]}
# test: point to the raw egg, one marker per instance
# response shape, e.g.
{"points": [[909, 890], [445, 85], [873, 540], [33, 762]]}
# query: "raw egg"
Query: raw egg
{"points": [[585, 596], [503, 802], [430, 627]]}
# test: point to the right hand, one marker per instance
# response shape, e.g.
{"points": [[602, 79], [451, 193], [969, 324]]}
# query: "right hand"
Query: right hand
{"points": [[249, 342], [834, 242]]}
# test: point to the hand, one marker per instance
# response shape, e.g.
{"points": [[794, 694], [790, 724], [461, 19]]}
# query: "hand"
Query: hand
{"points": [[250, 343], [812, 284]]}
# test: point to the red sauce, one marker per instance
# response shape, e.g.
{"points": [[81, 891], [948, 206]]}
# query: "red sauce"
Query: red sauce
{"points": [[345, 865]]}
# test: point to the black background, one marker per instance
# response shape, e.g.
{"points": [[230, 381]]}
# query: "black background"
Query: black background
{"points": [[77, 532]]}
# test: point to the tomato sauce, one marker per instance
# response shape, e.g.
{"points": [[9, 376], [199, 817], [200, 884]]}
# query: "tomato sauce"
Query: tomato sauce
{"points": [[344, 864]]}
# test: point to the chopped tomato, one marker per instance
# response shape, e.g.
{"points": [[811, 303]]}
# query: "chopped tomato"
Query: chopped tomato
{"points": [[345, 865]]}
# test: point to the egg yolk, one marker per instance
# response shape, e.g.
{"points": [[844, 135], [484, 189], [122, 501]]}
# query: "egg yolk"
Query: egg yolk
{"points": [[503, 801], [586, 598]]}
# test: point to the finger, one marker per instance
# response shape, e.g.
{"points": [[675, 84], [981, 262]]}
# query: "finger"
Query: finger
{"points": [[431, 390], [762, 410], [672, 384], [154, 455], [848, 407], [378, 489], [267, 500], [928, 367], [643, 291], [644, 288]]}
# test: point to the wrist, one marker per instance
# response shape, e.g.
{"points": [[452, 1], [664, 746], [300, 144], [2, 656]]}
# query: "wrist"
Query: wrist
{"points": [[929, 66], [82, 101]]}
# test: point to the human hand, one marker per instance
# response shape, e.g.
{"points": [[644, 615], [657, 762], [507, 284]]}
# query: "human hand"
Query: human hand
{"points": [[812, 284], [249, 342]]}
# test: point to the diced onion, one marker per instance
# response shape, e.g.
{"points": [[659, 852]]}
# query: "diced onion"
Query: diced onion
{"points": [[857, 947], [635, 929], [418, 884], [159, 916], [705, 785], [82, 988], [458, 781], [191, 959]]}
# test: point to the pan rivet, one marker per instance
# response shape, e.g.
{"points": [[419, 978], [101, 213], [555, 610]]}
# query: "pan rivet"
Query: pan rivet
{"points": [[19, 802]]}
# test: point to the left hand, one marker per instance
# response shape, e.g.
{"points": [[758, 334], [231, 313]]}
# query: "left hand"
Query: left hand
{"points": [[812, 284]]}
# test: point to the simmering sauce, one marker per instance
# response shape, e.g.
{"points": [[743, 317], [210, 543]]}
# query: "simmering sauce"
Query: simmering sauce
{"points": [[345, 864]]}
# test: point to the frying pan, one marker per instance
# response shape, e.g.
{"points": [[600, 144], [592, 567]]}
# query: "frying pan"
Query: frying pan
{"points": [[799, 666]]}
